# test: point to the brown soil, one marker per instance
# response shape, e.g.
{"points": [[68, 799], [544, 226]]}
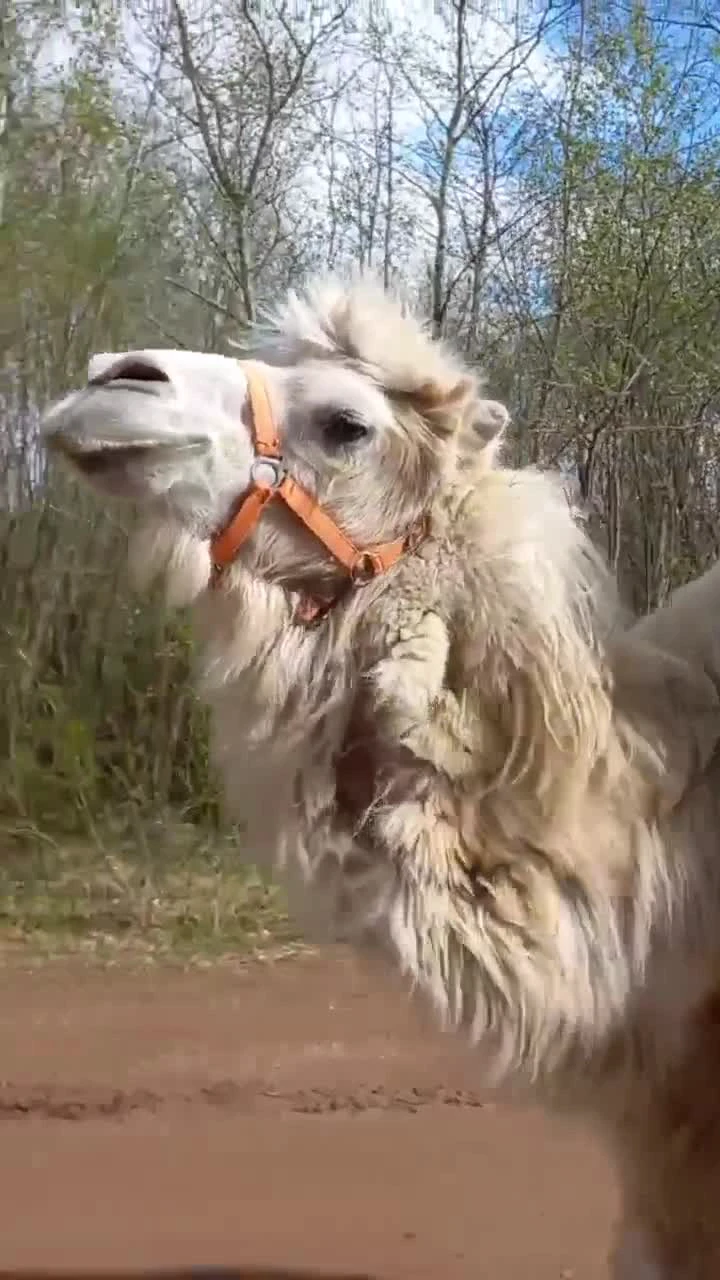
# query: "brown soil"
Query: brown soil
{"points": [[300, 1115]]}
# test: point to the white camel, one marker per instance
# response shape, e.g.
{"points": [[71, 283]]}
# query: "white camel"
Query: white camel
{"points": [[429, 710]]}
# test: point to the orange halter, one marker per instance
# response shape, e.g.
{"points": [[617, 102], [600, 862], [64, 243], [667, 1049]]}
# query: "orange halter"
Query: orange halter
{"points": [[269, 481]]}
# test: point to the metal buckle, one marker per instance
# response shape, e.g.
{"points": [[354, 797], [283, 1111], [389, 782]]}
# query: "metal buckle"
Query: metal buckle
{"points": [[365, 568], [417, 534], [266, 473]]}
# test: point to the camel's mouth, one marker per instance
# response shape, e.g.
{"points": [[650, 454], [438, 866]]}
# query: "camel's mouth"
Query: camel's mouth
{"points": [[105, 461], [117, 469], [113, 469], [123, 416], [118, 430], [93, 456]]}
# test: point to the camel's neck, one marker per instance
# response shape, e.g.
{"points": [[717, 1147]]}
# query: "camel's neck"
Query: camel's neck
{"points": [[506, 569], [280, 676]]}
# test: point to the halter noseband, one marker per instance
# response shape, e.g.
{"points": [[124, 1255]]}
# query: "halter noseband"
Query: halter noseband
{"points": [[269, 481]]}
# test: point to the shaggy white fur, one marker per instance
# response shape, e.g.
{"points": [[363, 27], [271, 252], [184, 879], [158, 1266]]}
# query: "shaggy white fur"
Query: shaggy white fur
{"points": [[471, 762]]}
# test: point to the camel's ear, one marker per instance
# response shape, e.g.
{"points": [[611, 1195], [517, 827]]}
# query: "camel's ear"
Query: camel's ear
{"points": [[445, 405], [488, 420], [483, 429]]}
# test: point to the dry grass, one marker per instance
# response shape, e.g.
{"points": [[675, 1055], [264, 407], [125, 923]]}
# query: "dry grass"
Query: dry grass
{"points": [[160, 892]]}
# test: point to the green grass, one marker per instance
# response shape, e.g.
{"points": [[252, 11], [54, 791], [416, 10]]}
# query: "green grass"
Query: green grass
{"points": [[157, 892]]}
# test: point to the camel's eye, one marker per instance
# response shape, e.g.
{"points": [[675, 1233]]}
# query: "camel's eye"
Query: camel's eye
{"points": [[343, 427]]}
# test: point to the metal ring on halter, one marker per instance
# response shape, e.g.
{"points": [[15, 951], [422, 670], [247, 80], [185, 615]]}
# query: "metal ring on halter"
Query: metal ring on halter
{"points": [[272, 465]]}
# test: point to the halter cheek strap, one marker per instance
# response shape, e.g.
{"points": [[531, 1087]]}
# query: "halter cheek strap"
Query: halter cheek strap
{"points": [[269, 482]]}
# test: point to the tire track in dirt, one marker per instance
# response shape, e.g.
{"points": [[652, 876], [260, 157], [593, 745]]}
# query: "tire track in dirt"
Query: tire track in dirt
{"points": [[300, 1116], [79, 1103], [194, 1273]]}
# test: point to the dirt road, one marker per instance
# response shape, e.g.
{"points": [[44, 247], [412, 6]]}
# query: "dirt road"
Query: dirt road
{"points": [[296, 1115]]}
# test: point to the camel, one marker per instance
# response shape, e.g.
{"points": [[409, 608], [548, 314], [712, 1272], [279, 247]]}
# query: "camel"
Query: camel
{"points": [[437, 722]]}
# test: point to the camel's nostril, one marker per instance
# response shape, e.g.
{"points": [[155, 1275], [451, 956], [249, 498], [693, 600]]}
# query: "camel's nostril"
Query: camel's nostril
{"points": [[132, 369]]}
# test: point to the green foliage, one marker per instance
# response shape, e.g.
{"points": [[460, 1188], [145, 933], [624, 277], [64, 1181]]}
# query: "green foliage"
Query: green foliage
{"points": [[98, 709], [621, 370]]}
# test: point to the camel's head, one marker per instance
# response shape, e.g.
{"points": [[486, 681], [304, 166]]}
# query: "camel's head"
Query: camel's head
{"points": [[371, 415]]}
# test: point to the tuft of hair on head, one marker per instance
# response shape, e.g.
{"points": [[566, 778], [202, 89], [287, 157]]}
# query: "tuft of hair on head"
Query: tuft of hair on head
{"points": [[358, 321]]}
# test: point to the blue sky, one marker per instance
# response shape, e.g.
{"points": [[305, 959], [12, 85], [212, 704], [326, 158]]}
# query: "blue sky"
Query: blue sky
{"points": [[694, 116]]}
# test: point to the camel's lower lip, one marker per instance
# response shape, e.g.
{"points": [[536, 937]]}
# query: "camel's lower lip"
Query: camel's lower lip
{"points": [[96, 462], [95, 459]]}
